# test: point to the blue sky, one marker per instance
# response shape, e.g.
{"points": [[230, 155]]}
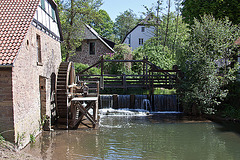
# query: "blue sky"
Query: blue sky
{"points": [[115, 7]]}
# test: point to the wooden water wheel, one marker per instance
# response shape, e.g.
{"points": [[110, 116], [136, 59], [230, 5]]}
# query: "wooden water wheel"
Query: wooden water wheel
{"points": [[65, 77]]}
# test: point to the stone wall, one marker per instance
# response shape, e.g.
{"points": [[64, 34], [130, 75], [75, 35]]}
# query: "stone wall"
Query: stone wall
{"points": [[84, 57], [26, 75], [6, 105]]}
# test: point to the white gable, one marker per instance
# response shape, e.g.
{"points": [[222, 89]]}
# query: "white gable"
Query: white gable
{"points": [[139, 34]]}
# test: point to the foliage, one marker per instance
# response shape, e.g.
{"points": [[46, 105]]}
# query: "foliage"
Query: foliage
{"points": [[122, 52], [218, 8], [156, 53], [1, 139], [73, 14], [80, 67], [230, 107], [20, 138], [32, 138], [177, 32], [208, 63], [103, 25], [124, 23]]}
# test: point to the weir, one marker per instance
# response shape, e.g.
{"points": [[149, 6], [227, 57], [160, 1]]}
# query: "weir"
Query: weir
{"points": [[154, 103]]}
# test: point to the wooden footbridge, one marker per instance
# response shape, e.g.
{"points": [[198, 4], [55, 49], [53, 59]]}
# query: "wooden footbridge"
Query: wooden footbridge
{"points": [[152, 76], [77, 100]]}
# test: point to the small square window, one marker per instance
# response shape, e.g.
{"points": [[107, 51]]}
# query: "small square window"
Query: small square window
{"points": [[143, 29], [140, 41]]}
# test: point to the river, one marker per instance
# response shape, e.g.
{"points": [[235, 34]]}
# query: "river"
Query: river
{"points": [[158, 136]]}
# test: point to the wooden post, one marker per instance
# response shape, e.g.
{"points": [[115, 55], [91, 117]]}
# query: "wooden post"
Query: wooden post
{"points": [[132, 101], [146, 72], [124, 81], [101, 78], [115, 101]]}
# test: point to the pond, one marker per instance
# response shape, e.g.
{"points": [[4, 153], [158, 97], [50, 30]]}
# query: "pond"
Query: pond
{"points": [[158, 136]]}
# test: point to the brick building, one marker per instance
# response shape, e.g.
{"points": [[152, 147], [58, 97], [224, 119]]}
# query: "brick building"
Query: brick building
{"points": [[92, 47], [30, 55]]}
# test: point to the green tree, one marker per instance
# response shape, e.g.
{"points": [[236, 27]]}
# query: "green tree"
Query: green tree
{"points": [[156, 53], [73, 14], [124, 23], [208, 63], [122, 52], [218, 8], [103, 25]]}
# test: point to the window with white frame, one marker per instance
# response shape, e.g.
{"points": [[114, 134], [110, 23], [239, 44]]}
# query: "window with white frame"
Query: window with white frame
{"points": [[142, 29], [140, 41]]}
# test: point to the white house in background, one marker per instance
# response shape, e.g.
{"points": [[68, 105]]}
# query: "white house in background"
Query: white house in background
{"points": [[139, 34]]}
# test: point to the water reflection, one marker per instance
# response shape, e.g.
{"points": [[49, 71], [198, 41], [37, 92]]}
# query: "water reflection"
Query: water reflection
{"points": [[140, 138]]}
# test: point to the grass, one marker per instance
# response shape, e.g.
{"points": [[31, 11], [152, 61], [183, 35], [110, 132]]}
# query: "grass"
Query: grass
{"points": [[1, 139], [137, 91]]}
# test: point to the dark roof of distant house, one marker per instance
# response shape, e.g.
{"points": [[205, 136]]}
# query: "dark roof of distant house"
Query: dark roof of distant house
{"points": [[15, 19], [237, 42], [110, 43]]}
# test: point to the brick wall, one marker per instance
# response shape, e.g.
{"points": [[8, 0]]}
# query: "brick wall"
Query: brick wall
{"points": [[26, 84], [6, 105], [84, 56]]}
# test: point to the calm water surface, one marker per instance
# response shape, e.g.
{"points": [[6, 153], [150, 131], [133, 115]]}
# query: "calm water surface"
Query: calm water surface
{"points": [[151, 137]]}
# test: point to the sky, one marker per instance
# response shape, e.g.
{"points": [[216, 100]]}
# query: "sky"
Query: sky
{"points": [[115, 7]]}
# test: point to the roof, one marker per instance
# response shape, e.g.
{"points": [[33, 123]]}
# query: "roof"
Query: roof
{"points": [[99, 37], [15, 19]]}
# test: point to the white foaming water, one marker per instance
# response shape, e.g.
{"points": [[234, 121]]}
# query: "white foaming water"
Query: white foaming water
{"points": [[123, 112]]}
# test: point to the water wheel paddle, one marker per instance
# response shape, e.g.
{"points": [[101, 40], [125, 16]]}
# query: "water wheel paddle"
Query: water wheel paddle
{"points": [[65, 77]]}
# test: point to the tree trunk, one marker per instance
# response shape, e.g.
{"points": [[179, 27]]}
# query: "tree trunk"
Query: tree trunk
{"points": [[168, 16]]}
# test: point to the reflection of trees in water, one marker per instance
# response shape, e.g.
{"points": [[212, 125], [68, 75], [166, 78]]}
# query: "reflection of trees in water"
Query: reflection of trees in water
{"points": [[136, 137]]}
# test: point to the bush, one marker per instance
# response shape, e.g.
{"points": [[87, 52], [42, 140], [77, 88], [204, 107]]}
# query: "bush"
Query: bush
{"points": [[208, 63], [80, 67], [122, 52]]}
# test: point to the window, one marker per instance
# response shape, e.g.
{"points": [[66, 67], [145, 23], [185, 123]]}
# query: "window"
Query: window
{"points": [[53, 14], [140, 41], [143, 29], [39, 54], [92, 48], [43, 4]]}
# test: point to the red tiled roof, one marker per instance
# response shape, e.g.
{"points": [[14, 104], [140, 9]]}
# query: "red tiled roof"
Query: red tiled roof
{"points": [[15, 19], [237, 42]]}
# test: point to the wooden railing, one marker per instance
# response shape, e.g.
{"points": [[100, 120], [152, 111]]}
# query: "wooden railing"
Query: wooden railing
{"points": [[153, 78]]}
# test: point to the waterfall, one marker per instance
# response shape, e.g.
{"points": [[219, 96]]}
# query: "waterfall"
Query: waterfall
{"points": [[139, 101], [106, 101], [124, 101], [165, 103], [147, 105], [137, 105]]}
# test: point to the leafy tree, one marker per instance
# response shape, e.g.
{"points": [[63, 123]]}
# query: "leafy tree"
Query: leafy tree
{"points": [[103, 24], [206, 63], [122, 52], [218, 8], [124, 23], [177, 31], [73, 14], [156, 53]]}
